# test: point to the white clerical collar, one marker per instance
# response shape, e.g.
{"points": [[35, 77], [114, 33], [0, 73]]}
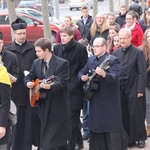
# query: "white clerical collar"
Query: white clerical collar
{"points": [[19, 43]]}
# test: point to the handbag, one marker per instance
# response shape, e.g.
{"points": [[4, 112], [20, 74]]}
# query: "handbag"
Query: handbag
{"points": [[12, 117]]}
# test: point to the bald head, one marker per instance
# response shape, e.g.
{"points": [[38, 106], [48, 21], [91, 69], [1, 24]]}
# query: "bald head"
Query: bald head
{"points": [[125, 37], [100, 40], [99, 46]]}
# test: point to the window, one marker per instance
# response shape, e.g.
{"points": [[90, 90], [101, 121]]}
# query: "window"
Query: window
{"points": [[4, 20], [27, 20]]}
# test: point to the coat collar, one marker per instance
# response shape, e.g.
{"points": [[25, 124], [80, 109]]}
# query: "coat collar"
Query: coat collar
{"points": [[14, 46], [52, 66]]}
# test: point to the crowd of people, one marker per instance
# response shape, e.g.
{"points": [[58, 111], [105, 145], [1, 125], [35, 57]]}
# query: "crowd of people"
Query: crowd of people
{"points": [[99, 66]]}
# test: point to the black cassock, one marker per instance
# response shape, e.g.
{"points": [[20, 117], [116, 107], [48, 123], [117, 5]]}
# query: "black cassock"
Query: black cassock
{"points": [[133, 81]]}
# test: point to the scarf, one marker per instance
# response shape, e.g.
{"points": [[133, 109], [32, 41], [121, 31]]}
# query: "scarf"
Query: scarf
{"points": [[132, 27]]}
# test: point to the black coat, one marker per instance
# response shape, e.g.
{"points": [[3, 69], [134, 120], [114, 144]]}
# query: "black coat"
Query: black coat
{"points": [[25, 56], [10, 62], [148, 79], [105, 108], [121, 19], [77, 56], [91, 38], [133, 68], [137, 8], [54, 109], [83, 28], [133, 81], [4, 110]]}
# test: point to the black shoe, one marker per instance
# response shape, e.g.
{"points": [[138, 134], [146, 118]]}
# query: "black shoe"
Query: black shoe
{"points": [[79, 146], [132, 144], [141, 144]]}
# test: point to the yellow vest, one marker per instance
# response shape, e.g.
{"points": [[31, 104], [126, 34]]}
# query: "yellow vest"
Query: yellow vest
{"points": [[4, 77]]}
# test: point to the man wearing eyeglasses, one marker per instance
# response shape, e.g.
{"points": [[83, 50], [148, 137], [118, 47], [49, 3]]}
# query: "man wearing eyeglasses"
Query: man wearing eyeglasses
{"points": [[25, 52], [105, 122], [133, 82]]}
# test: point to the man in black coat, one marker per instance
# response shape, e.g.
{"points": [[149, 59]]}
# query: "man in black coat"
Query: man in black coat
{"points": [[10, 62], [84, 24], [54, 107], [25, 52], [105, 122], [9, 59], [76, 54], [4, 106], [120, 19], [133, 83], [136, 7]]}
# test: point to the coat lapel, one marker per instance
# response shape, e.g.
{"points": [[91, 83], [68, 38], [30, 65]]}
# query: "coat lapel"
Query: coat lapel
{"points": [[52, 66]]}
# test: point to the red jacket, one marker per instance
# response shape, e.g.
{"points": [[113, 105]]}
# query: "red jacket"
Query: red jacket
{"points": [[137, 35]]}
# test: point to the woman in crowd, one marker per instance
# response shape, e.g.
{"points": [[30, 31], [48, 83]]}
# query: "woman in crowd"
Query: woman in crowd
{"points": [[99, 28], [113, 30], [111, 19], [146, 49], [134, 26], [116, 42], [68, 22], [147, 17]]}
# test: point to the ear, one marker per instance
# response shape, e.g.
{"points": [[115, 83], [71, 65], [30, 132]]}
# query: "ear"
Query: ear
{"points": [[71, 36], [130, 37], [46, 50]]}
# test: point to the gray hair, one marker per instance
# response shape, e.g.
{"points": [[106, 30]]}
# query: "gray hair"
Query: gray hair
{"points": [[128, 31]]}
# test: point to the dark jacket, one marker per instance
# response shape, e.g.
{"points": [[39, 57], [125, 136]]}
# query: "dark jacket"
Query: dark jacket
{"points": [[10, 62], [105, 107], [121, 19], [148, 79], [76, 54], [91, 38], [83, 28], [54, 109], [137, 8], [4, 110], [133, 81], [135, 74], [25, 56]]}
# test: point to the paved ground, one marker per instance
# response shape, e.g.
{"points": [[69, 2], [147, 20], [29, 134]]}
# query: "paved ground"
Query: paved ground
{"points": [[86, 146]]}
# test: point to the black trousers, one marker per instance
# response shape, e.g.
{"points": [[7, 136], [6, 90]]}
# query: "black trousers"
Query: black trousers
{"points": [[75, 131], [27, 130], [108, 141], [65, 147]]}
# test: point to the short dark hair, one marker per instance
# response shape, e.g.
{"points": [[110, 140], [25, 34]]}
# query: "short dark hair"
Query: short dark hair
{"points": [[67, 29], [131, 13], [84, 7], [44, 44], [136, 15]]}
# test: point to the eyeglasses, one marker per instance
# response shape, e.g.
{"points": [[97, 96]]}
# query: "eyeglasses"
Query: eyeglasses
{"points": [[96, 46], [123, 38], [129, 19], [24, 33]]}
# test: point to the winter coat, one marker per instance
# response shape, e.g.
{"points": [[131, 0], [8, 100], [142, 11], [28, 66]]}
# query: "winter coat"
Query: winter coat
{"points": [[83, 28]]}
